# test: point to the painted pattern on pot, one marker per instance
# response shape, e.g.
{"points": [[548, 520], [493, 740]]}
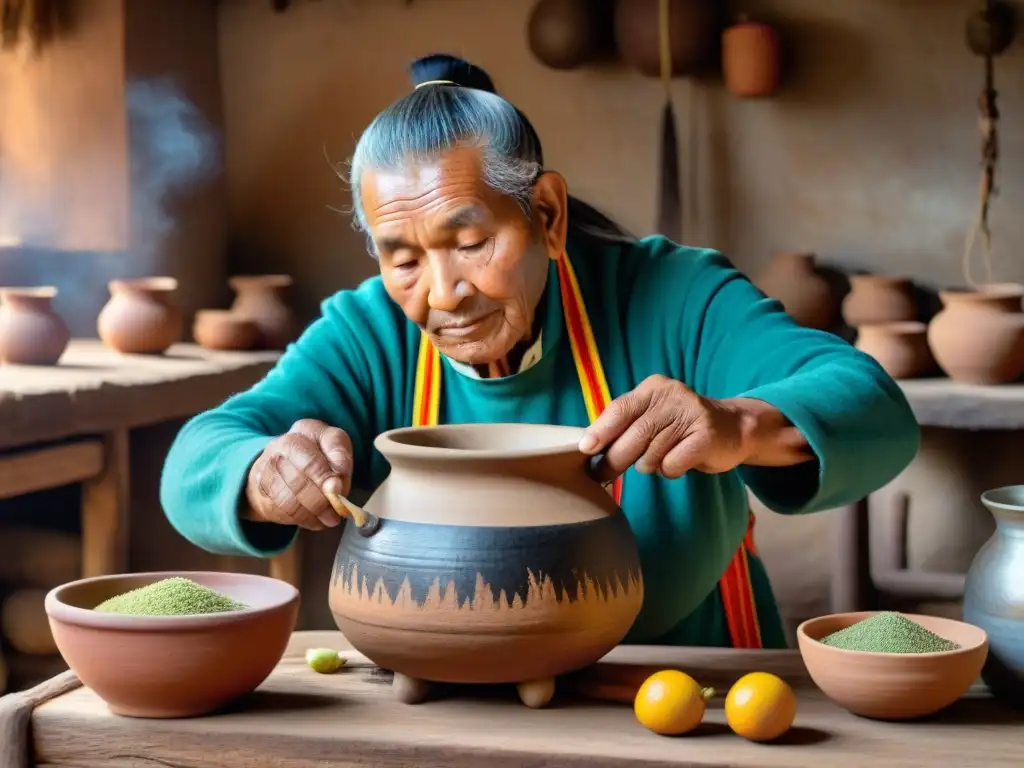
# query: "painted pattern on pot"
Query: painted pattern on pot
{"points": [[490, 537]]}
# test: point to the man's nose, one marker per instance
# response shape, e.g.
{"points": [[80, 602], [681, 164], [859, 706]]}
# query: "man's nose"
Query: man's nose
{"points": [[447, 288]]}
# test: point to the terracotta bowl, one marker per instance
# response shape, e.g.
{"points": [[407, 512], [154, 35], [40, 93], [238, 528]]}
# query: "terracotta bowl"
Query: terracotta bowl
{"points": [[172, 666], [224, 330], [893, 686]]}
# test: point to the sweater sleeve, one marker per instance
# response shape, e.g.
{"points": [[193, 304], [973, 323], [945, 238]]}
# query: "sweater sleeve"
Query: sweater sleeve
{"points": [[738, 343], [324, 375]]}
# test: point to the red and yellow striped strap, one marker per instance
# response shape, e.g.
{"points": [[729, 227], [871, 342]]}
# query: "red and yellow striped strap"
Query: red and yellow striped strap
{"points": [[735, 586]]}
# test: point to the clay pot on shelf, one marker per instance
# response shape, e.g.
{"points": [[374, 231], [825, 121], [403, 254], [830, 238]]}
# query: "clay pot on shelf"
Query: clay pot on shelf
{"points": [[694, 29], [900, 348], [142, 316], [994, 595], [31, 333], [978, 336], [877, 299], [751, 59], [223, 329], [490, 536], [562, 34], [260, 298], [806, 295]]}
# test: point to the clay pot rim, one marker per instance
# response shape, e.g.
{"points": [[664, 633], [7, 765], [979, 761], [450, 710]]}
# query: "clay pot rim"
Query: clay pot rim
{"points": [[393, 444], [161, 284], [806, 631], [269, 281], [990, 291], [278, 593], [999, 498], [894, 328], [29, 292]]}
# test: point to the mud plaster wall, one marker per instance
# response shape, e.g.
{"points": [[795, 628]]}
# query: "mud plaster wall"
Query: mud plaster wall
{"points": [[868, 157]]}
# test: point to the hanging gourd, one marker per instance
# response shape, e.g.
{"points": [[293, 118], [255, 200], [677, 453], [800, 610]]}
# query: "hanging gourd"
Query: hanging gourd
{"points": [[693, 31], [562, 34], [751, 59]]}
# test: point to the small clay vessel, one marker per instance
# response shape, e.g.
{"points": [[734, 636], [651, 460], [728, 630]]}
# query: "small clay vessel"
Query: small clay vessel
{"points": [[900, 348], [260, 298], [142, 316], [994, 595], [694, 31], [495, 559], [562, 33], [751, 59], [31, 333], [793, 279], [978, 336], [223, 329], [878, 299]]}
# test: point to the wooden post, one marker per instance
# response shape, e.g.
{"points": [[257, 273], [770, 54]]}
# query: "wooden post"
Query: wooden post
{"points": [[105, 511], [288, 565]]}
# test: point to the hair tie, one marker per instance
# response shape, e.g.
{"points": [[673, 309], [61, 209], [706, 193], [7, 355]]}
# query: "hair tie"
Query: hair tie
{"points": [[435, 82]]}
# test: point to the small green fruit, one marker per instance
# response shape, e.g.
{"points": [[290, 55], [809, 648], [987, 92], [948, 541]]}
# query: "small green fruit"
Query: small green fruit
{"points": [[323, 660]]}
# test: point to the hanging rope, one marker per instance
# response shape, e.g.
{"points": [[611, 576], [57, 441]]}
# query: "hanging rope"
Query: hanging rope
{"points": [[988, 119]]}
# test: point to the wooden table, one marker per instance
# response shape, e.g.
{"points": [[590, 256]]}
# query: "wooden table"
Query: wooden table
{"points": [[299, 719], [69, 423]]}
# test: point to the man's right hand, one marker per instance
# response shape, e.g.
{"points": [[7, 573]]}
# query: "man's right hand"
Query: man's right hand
{"points": [[287, 481]]}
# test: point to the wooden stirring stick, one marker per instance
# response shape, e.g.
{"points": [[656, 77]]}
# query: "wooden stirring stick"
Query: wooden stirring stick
{"points": [[366, 522]]}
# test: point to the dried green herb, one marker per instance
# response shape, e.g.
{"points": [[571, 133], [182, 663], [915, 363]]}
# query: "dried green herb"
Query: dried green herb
{"points": [[888, 632], [170, 597]]}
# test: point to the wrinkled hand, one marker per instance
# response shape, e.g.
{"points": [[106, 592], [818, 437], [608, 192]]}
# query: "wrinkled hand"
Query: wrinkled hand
{"points": [[663, 426], [287, 481]]}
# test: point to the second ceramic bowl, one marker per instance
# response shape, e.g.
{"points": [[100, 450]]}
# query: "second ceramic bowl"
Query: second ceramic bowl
{"points": [[893, 686], [172, 666]]}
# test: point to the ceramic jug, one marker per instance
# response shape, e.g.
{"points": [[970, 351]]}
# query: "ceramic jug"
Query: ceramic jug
{"points": [[994, 595], [878, 299], [978, 336], [142, 316], [31, 333], [259, 298], [900, 348], [495, 558], [793, 279]]}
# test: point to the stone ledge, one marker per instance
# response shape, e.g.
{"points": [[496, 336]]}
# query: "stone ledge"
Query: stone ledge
{"points": [[95, 390], [944, 403]]}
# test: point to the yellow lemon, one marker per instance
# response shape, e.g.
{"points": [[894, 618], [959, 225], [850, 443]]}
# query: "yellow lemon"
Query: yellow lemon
{"points": [[760, 707], [670, 702]]}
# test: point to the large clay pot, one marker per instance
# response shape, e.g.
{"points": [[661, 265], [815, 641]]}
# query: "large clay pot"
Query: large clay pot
{"points": [[879, 299], [562, 33], [900, 348], [806, 295], [694, 29], [497, 560], [978, 336], [142, 316], [751, 59], [31, 333], [260, 298], [994, 594]]}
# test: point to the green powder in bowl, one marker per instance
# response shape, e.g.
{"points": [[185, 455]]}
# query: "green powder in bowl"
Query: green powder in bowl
{"points": [[170, 597], [888, 632]]}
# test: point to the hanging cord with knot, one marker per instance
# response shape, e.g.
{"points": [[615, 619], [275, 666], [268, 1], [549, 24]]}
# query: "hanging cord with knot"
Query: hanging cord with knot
{"points": [[988, 119]]}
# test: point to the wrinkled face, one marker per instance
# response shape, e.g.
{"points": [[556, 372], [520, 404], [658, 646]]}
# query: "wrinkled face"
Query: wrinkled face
{"points": [[463, 261]]}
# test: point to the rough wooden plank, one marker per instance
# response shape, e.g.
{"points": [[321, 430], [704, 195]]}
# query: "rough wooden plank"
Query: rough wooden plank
{"points": [[16, 712], [105, 500], [95, 390], [31, 470], [945, 403], [299, 719]]}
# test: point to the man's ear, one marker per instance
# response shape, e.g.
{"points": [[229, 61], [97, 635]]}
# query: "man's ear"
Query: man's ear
{"points": [[551, 207]]}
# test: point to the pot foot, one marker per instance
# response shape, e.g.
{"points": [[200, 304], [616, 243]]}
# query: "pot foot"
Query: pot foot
{"points": [[536, 693], [410, 690]]}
